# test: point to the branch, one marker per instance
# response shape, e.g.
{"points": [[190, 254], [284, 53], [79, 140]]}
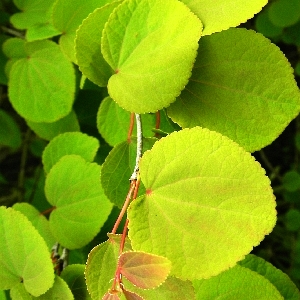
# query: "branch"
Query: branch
{"points": [[139, 147]]}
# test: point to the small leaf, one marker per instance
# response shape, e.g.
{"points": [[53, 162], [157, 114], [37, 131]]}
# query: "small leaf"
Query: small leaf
{"points": [[225, 13], [73, 187], [69, 143], [42, 84], [234, 89], [292, 220], [131, 295], [236, 283], [48, 131], [280, 280], [209, 193], [137, 46], [291, 181], [30, 262], [145, 270], [10, 134]]}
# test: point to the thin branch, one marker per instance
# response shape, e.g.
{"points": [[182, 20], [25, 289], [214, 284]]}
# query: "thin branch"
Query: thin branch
{"points": [[12, 32], [131, 125], [139, 146]]}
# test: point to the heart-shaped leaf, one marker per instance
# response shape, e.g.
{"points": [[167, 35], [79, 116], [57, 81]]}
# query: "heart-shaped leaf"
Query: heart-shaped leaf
{"points": [[145, 270], [137, 46], [207, 203]]}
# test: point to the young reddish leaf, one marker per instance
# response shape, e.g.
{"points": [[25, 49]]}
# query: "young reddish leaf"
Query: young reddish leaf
{"points": [[143, 269], [109, 296], [132, 296]]}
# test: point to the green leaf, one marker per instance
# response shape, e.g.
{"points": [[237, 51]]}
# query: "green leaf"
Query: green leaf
{"points": [[144, 270], [69, 143], [236, 283], [209, 193], [291, 181], [73, 187], [113, 122], [59, 291], [33, 12], [223, 14], [280, 280], [38, 220], [234, 89], [67, 16], [265, 26], [88, 45], [14, 48], [40, 32], [117, 169], [10, 134], [137, 46], [18, 292], [73, 275], [30, 260], [292, 220], [3, 60], [284, 13], [42, 85], [101, 266], [48, 131]]}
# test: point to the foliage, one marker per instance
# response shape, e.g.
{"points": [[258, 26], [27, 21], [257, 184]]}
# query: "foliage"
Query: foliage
{"points": [[148, 109]]}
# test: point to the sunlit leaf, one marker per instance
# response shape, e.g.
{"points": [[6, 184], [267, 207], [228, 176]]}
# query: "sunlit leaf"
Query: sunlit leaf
{"points": [[137, 46], [208, 196]]}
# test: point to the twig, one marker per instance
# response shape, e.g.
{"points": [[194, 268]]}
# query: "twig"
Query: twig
{"points": [[12, 32], [139, 146]]}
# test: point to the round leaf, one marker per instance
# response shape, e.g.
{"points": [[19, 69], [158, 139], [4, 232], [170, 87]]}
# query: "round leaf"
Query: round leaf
{"points": [[42, 85], [234, 89], [291, 181], [73, 187], [208, 196], [223, 14], [236, 283], [69, 143], [145, 270], [152, 59], [29, 261]]}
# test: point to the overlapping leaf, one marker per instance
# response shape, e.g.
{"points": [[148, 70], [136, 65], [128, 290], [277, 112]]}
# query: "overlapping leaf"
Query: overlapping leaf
{"points": [[144, 270], [67, 16], [29, 261], [69, 143], [48, 131], [113, 122], [42, 84], [236, 283], [223, 14], [117, 169], [242, 86], [88, 45], [280, 280], [137, 46], [81, 208], [207, 203]]}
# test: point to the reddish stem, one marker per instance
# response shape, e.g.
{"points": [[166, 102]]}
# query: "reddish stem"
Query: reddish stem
{"points": [[48, 211], [130, 130]]}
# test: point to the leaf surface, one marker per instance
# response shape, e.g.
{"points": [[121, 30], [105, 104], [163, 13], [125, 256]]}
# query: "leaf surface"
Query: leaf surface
{"points": [[48, 131], [131, 295], [145, 270], [69, 143], [242, 86], [73, 187], [279, 279], [208, 196], [137, 46], [10, 134], [236, 283], [42, 85], [29, 261], [223, 13]]}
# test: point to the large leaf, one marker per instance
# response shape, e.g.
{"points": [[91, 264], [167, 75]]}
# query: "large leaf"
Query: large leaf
{"points": [[42, 85], [73, 187], [152, 59], [207, 203], [88, 45], [280, 280], [67, 16], [237, 283], [242, 86], [222, 14], [69, 143], [144, 270], [24, 256], [113, 122]]}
